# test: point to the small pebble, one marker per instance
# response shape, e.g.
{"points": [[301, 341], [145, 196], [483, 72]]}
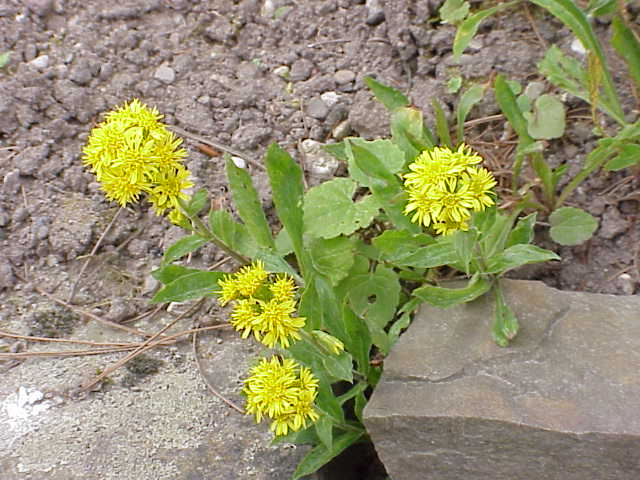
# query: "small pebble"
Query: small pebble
{"points": [[341, 130], [375, 12], [330, 98], [301, 70], [317, 109], [165, 74], [344, 76], [239, 162], [40, 62], [282, 71]]}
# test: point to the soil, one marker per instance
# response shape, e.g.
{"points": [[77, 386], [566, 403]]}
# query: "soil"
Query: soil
{"points": [[245, 73]]}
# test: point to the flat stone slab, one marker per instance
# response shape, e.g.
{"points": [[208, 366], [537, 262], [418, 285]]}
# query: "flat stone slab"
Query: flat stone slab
{"points": [[562, 402]]}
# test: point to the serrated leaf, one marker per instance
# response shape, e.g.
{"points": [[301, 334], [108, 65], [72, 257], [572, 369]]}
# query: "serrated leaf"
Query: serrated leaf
{"points": [[182, 247], [169, 273], [388, 96], [248, 204], [188, 287], [571, 226], [333, 258], [320, 455], [388, 153], [324, 430], [547, 121], [516, 256], [329, 210], [196, 203], [448, 297]]}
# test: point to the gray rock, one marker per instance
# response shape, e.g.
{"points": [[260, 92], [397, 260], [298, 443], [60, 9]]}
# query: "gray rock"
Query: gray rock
{"points": [[11, 182], [31, 159], [613, 223], [317, 109], [248, 137], [561, 403], [341, 130], [41, 62], [344, 76], [301, 70], [165, 74], [375, 12], [7, 279], [368, 118], [80, 73], [282, 71], [320, 164]]}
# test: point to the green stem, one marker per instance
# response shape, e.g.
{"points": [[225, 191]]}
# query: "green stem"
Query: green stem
{"points": [[204, 232]]}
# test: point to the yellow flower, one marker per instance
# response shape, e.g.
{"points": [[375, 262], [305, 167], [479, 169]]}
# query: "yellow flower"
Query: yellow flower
{"points": [[168, 186], [283, 288], [283, 391], [276, 324], [444, 187], [243, 316]]}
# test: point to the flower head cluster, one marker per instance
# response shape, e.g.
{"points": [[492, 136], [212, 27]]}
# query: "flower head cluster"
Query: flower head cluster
{"points": [[445, 187], [263, 304], [283, 391], [132, 153]]}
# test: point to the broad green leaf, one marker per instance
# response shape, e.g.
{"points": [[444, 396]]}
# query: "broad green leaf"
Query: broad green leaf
{"points": [[308, 435], [187, 287], [571, 226], [494, 233], [232, 233], [398, 326], [547, 120], [448, 297], [196, 203], [182, 247], [339, 367], [442, 125], [396, 245], [388, 96], [505, 323], [248, 204], [326, 400], [324, 430], [274, 263], [574, 18], [516, 256], [169, 273], [283, 243], [320, 305], [329, 210], [522, 233], [627, 46], [601, 7], [320, 455], [359, 344], [629, 155], [469, 27], [355, 390], [464, 244], [333, 258], [388, 153], [454, 11], [442, 252], [374, 296], [409, 132], [336, 150], [285, 176], [469, 98], [384, 185]]}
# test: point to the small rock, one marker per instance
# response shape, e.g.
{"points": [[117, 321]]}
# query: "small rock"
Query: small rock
{"points": [[106, 70], [7, 279], [301, 70], [319, 163], [165, 74], [612, 224], [119, 310], [30, 52], [330, 98], [20, 215], [138, 248], [626, 283], [4, 217], [577, 47], [317, 109], [39, 7], [282, 71], [41, 62], [248, 137], [11, 182], [80, 73], [150, 284], [31, 159], [375, 12], [344, 76], [341, 130]]}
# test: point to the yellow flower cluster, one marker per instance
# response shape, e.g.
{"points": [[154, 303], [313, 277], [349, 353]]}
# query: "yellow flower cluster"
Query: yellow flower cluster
{"points": [[263, 304], [133, 153], [283, 391], [445, 187]]}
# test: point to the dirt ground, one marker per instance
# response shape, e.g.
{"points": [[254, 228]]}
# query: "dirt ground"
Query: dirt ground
{"points": [[243, 73]]}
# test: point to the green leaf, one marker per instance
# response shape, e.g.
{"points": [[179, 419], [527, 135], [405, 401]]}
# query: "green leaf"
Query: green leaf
{"points": [[509, 106], [324, 430], [308, 435], [329, 210], [285, 176], [442, 125], [548, 118], [448, 297], [182, 247], [232, 233], [389, 97], [454, 84], [454, 11], [196, 203], [283, 243], [354, 391], [403, 250], [359, 344], [464, 244], [469, 98], [169, 273], [601, 7], [469, 27], [409, 132], [332, 258], [321, 455], [574, 18], [494, 233], [4, 59], [336, 150], [398, 326], [374, 296], [187, 287], [340, 367], [629, 155], [505, 323], [248, 204], [384, 185], [571, 226], [522, 233], [320, 305], [385, 151], [516, 256], [627, 46]]}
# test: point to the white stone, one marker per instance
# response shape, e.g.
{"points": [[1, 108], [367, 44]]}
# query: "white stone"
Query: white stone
{"points": [[165, 74], [240, 163], [577, 47], [40, 62], [330, 98]]}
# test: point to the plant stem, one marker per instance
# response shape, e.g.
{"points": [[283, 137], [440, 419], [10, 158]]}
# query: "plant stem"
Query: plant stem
{"points": [[204, 232]]}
